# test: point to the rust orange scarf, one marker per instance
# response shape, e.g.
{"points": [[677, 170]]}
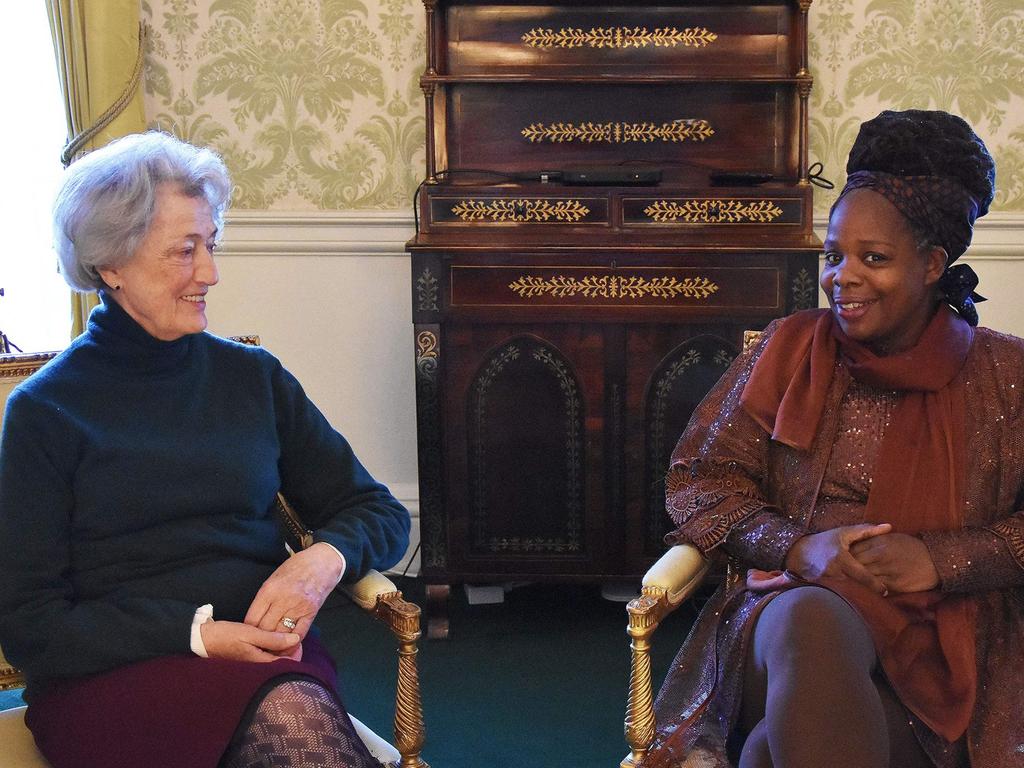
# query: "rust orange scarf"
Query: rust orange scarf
{"points": [[925, 640]]}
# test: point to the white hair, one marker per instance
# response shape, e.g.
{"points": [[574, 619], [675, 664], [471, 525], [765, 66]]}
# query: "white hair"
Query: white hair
{"points": [[106, 201]]}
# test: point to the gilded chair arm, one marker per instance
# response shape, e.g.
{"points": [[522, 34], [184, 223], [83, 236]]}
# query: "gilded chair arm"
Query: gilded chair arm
{"points": [[10, 677], [377, 594], [667, 583]]}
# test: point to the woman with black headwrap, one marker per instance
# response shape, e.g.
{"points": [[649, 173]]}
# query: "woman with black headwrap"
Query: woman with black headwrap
{"points": [[866, 464]]}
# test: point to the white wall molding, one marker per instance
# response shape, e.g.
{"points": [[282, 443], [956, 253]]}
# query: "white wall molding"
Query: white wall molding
{"points": [[998, 236], [305, 233]]}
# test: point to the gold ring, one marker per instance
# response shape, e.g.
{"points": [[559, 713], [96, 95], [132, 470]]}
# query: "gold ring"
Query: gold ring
{"points": [[290, 623]]}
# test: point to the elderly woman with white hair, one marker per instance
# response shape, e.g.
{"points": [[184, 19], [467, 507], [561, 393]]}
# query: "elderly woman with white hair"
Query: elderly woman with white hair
{"points": [[146, 593]]}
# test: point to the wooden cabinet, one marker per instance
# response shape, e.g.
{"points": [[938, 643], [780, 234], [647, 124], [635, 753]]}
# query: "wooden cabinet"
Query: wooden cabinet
{"points": [[582, 271]]}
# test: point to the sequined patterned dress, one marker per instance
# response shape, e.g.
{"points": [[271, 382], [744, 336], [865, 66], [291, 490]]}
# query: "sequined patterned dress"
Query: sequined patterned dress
{"points": [[730, 489]]}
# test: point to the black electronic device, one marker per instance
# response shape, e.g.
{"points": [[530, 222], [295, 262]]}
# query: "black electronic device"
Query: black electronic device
{"points": [[613, 175]]}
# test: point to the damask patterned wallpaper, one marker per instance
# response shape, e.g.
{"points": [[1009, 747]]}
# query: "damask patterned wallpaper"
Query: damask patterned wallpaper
{"points": [[315, 104], [963, 57]]}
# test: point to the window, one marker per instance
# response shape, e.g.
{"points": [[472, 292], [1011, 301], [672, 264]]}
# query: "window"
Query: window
{"points": [[35, 310]]}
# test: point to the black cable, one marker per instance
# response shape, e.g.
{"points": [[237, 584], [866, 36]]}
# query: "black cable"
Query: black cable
{"points": [[506, 175], [814, 176], [446, 174], [411, 558], [416, 206]]}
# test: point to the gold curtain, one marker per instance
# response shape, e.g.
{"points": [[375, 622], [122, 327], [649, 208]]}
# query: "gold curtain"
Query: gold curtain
{"points": [[99, 48]]}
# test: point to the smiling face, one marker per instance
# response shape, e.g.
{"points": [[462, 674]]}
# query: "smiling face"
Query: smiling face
{"points": [[163, 286], [880, 285]]}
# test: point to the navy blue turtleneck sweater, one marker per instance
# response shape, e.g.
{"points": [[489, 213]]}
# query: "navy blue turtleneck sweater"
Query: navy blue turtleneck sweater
{"points": [[137, 478]]}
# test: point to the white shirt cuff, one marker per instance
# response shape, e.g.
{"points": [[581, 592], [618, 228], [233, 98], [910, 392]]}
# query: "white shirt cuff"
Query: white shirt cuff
{"points": [[204, 613]]}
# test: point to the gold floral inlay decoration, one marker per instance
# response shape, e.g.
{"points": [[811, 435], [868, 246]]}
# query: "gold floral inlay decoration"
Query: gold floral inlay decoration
{"points": [[426, 346], [619, 133], [521, 210], [714, 211], [619, 37], [613, 287]]}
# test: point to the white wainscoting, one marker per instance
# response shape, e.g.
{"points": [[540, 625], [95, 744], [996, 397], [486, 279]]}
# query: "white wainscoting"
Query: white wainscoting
{"points": [[329, 294]]}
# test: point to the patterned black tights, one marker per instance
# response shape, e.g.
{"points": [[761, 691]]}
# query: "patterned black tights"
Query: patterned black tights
{"points": [[298, 723]]}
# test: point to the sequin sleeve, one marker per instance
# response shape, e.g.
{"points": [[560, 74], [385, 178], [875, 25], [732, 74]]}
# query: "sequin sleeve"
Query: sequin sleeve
{"points": [[977, 559], [714, 480], [764, 539], [706, 498], [1011, 531]]}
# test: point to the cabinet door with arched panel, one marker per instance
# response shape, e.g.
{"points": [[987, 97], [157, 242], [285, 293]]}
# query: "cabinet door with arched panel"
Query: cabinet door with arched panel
{"points": [[670, 370], [524, 432]]}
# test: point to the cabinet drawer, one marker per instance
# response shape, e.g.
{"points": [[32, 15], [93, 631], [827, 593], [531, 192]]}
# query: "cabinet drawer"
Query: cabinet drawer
{"points": [[660, 211], [620, 40], [713, 209], [687, 129], [517, 209], [588, 287]]}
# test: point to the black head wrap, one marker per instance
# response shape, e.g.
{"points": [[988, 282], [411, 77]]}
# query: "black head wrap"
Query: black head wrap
{"points": [[938, 173]]}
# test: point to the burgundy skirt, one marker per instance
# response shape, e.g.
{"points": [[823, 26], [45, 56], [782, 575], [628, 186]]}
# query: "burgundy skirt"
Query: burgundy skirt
{"points": [[169, 712]]}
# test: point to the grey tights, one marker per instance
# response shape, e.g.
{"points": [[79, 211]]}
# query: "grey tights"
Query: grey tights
{"points": [[813, 696]]}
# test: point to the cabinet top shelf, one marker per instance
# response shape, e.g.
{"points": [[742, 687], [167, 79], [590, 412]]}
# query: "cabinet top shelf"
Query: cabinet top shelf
{"points": [[687, 5], [613, 79], [576, 243]]}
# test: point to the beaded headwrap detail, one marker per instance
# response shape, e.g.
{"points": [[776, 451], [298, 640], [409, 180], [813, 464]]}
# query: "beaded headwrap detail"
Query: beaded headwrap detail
{"points": [[944, 209]]}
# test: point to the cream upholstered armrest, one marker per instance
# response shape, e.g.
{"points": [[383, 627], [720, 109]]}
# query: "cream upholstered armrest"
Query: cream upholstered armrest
{"points": [[667, 583], [365, 592], [678, 572]]}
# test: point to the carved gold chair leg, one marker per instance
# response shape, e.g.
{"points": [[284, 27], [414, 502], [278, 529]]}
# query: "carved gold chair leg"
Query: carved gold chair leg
{"points": [[666, 585], [404, 620], [645, 613]]}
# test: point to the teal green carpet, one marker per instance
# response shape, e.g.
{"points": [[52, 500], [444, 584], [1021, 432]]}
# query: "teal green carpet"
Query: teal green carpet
{"points": [[536, 682]]}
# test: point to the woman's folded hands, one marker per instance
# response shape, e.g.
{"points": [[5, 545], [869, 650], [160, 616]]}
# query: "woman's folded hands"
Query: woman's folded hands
{"points": [[901, 561], [241, 642], [867, 553], [282, 611]]}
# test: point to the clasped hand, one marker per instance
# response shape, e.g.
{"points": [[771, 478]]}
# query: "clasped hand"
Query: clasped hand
{"points": [[296, 590], [870, 554]]}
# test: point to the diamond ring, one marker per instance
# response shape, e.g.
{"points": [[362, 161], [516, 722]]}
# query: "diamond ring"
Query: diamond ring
{"points": [[290, 623]]}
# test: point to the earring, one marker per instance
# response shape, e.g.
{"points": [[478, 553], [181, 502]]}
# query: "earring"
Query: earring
{"points": [[117, 287]]}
